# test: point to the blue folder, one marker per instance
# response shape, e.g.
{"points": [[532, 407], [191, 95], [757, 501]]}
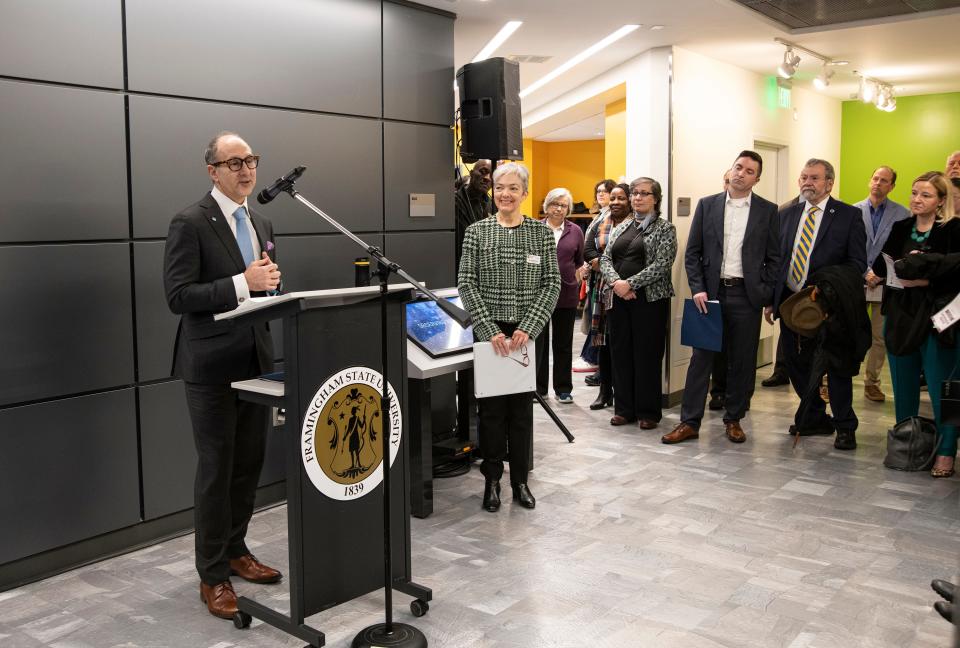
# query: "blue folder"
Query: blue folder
{"points": [[699, 330]]}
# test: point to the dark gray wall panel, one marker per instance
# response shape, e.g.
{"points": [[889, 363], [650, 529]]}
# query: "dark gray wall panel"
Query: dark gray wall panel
{"points": [[156, 325], [320, 262], [274, 462], [417, 159], [312, 54], [71, 330], [64, 164], [417, 65], [342, 156], [68, 471], [167, 453], [62, 40], [428, 256]]}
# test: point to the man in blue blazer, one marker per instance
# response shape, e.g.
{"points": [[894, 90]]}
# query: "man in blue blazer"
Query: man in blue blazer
{"points": [[219, 254], [733, 256], [879, 214], [819, 231]]}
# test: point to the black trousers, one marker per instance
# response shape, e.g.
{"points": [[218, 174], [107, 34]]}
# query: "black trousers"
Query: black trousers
{"points": [[562, 322], [718, 375], [230, 436], [506, 431], [798, 356], [638, 334], [741, 336]]}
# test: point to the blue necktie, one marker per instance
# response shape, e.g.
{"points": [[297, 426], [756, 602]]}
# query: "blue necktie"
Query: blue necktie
{"points": [[243, 236]]}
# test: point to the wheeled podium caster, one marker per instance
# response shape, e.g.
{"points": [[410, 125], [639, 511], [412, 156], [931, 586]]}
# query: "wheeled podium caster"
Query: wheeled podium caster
{"points": [[241, 620], [419, 607]]}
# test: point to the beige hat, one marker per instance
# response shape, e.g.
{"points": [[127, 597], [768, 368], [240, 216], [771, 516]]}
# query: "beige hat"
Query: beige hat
{"points": [[802, 313]]}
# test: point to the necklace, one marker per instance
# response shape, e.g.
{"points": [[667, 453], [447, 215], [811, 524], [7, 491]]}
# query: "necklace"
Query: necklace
{"points": [[917, 236]]}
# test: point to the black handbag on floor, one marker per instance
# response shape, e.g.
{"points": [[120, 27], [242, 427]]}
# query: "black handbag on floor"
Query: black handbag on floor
{"points": [[912, 444], [950, 402]]}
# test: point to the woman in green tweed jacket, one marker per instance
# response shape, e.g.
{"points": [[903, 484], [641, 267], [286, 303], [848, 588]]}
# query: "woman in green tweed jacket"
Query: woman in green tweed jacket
{"points": [[509, 282], [636, 265]]}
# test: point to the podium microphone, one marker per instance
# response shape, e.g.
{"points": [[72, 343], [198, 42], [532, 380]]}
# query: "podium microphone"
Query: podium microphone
{"points": [[282, 184]]}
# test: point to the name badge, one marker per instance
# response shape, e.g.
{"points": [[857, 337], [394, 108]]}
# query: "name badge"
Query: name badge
{"points": [[533, 259]]}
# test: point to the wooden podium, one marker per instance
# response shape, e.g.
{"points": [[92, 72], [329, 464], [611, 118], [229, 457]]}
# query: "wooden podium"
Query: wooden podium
{"points": [[332, 360]]}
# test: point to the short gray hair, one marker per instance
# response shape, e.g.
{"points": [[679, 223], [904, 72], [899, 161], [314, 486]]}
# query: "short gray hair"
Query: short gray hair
{"points": [[515, 168], [829, 172], [554, 194], [210, 153]]}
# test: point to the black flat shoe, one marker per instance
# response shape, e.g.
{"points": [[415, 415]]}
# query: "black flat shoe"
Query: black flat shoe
{"points": [[944, 609], [944, 588], [717, 403], [593, 380], [846, 440], [522, 494], [491, 496], [778, 378], [603, 400]]}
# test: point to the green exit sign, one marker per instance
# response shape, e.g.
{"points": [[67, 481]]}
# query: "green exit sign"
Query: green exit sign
{"points": [[783, 97]]}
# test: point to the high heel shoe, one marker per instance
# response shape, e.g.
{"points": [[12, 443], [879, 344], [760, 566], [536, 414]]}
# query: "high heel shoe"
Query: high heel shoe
{"points": [[604, 399], [522, 494], [491, 496]]}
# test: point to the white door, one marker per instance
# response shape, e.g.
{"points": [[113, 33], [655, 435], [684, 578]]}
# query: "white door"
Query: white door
{"points": [[774, 159]]}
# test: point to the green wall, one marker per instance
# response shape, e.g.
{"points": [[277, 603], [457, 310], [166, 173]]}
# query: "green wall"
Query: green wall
{"points": [[916, 137]]}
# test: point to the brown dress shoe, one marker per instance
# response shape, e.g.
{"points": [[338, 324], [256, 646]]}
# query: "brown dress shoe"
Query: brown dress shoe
{"points": [[680, 433], [647, 424], [249, 568], [824, 394], [735, 432], [620, 420], [872, 392], [221, 600]]}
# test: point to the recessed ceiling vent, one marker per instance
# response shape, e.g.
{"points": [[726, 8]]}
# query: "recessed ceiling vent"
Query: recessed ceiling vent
{"points": [[803, 14]]}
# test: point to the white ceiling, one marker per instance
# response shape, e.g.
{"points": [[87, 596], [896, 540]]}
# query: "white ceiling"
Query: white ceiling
{"points": [[916, 55]]}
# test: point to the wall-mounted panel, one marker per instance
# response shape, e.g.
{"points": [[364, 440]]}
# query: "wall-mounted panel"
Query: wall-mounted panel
{"points": [[309, 54], [428, 256], [64, 164], [68, 324], [342, 156], [320, 262], [417, 65], [68, 471], [417, 159], [156, 325], [62, 40], [168, 455]]}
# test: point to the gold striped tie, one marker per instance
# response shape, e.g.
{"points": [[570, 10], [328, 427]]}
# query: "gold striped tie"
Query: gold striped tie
{"points": [[802, 252]]}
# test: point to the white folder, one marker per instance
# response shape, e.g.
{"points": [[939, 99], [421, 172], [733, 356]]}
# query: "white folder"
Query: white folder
{"points": [[497, 375]]}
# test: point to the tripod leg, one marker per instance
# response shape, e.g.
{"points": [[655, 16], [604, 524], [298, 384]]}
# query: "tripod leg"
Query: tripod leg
{"points": [[553, 415]]}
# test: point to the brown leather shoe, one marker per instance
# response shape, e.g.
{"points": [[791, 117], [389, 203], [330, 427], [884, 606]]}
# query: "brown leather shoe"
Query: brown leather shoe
{"points": [[221, 600], [620, 420], [680, 433], [249, 568], [872, 392], [735, 432], [647, 424], [824, 394]]}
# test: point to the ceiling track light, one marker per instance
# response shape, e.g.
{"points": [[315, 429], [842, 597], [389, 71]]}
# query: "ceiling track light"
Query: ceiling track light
{"points": [[823, 79], [791, 61], [789, 65], [879, 93]]}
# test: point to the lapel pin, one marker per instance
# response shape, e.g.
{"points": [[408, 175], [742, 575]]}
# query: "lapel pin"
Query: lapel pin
{"points": [[213, 218]]}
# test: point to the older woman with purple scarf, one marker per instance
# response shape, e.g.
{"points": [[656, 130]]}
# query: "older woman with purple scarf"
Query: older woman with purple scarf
{"points": [[569, 238]]}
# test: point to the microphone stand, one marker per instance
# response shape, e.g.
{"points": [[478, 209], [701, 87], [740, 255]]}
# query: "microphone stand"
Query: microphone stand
{"points": [[387, 634]]}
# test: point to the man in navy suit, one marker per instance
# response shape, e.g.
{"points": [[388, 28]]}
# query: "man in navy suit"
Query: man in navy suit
{"points": [[733, 256], [879, 214], [819, 231], [218, 255]]}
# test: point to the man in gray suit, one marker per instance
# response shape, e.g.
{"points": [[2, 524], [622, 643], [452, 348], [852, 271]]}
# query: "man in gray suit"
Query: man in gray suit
{"points": [[733, 256], [879, 215]]}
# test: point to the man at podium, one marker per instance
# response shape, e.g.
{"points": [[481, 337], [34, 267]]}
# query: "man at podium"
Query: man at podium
{"points": [[219, 254]]}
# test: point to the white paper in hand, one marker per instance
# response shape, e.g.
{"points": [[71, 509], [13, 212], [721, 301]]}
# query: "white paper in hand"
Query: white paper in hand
{"points": [[948, 315], [497, 375], [892, 279]]}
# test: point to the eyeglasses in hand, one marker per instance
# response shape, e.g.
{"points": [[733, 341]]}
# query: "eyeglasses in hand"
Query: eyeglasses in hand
{"points": [[234, 164], [525, 361]]}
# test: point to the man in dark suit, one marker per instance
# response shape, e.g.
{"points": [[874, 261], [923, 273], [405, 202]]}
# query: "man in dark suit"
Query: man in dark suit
{"points": [[817, 232], [214, 260], [733, 256]]}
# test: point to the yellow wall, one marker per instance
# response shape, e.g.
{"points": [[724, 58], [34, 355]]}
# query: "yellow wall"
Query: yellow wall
{"points": [[615, 132], [576, 165]]}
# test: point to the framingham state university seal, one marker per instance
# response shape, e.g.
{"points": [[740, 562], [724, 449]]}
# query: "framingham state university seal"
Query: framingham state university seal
{"points": [[340, 442]]}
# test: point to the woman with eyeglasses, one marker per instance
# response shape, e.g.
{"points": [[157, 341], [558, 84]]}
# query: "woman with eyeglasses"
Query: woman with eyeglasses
{"points": [[569, 241], [590, 273], [636, 265], [913, 345], [509, 282]]}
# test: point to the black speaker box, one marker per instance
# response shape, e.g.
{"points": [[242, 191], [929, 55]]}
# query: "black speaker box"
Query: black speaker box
{"points": [[490, 110]]}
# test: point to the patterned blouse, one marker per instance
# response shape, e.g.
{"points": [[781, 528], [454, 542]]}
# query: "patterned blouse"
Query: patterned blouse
{"points": [[660, 243], [508, 275]]}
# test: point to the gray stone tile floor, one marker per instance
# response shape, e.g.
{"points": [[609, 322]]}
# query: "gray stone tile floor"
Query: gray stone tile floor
{"points": [[633, 543]]}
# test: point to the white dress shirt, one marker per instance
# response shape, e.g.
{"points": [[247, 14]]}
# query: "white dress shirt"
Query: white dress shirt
{"points": [[817, 220], [227, 206], [736, 212]]}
